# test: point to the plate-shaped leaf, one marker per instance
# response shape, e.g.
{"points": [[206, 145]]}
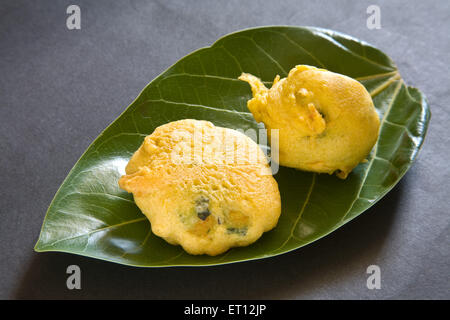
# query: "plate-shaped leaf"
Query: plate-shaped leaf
{"points": [[91, 216]]}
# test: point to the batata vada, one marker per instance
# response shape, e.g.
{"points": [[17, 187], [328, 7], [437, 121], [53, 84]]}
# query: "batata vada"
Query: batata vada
{"points": [[327, 121], [204, 187]]}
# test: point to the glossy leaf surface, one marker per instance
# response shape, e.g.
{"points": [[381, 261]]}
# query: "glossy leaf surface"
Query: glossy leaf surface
{"points": [[91, 216]]}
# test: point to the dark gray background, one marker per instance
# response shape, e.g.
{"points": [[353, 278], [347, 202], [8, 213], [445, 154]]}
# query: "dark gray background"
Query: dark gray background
{"points": [[59, 89]]}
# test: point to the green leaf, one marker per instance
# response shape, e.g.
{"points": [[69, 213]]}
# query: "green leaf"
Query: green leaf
{"points": [[91, 216]]}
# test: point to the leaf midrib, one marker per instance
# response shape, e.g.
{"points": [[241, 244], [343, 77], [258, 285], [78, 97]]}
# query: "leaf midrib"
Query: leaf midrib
{"points": [[92, 232]]}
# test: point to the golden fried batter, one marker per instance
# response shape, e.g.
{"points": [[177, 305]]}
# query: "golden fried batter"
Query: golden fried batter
{"points": [[204, 187], [327, 121]]}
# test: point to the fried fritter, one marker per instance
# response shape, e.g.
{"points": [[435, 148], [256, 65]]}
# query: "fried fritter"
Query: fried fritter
{"points": [[204, 187], [327, 121]]}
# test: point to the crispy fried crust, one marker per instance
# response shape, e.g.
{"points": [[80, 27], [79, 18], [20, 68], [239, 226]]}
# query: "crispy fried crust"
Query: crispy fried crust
{"points": [[207, 199], [327, 121]]}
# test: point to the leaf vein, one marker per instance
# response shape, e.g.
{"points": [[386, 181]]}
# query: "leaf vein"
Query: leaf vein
{"points": [[305, 203], [301, 48], [268, 56], [200, 106], [96, 230]]}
